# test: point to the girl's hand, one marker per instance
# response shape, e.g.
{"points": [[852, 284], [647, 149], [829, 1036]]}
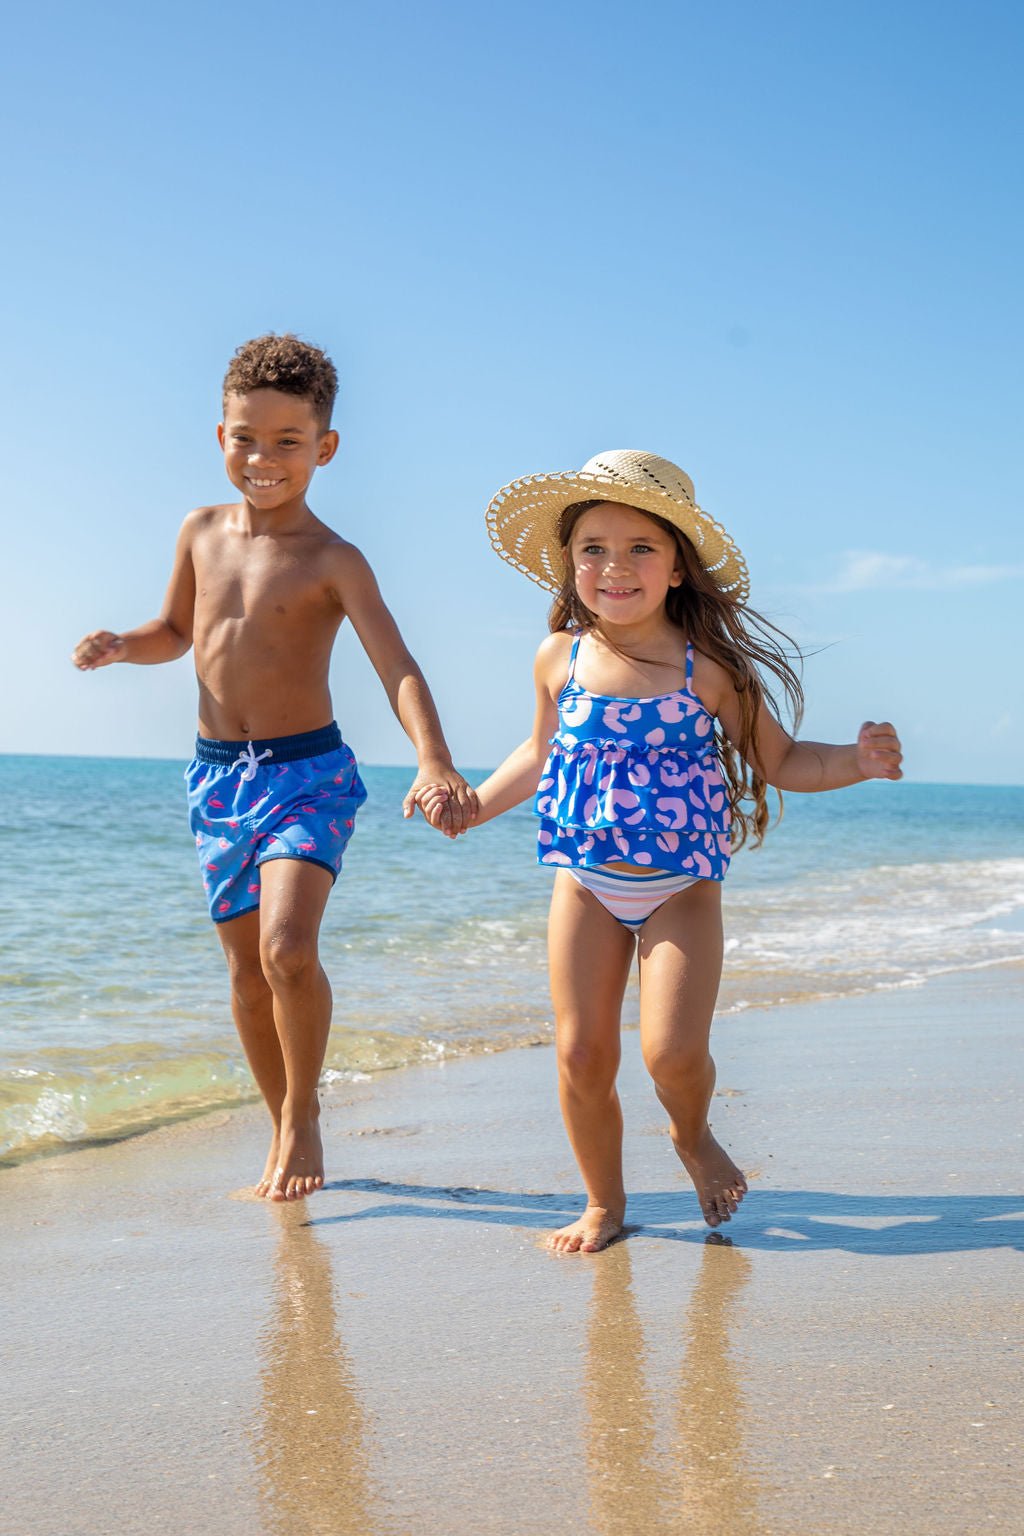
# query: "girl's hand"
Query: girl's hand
{"points": [[97, 650], [878, 751], [432, 800], [461, 806]]}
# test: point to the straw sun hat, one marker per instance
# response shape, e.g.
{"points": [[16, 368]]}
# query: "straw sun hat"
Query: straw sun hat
{"points": [[523, 517]]}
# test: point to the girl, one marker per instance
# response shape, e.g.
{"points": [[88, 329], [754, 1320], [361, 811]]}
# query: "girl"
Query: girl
{"points": [[654, 742]]}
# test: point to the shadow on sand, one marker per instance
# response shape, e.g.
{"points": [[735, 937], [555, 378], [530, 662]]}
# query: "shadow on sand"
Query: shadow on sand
{"points": [[779, 1220]]}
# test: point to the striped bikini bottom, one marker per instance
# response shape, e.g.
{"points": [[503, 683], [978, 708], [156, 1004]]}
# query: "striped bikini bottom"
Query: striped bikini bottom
{"points": [[631, 899]]}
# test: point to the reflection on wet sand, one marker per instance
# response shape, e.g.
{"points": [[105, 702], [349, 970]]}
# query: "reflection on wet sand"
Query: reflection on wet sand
{"points": [[702, 1483], [627, 1493], [310, 1441], [718, 1489]]}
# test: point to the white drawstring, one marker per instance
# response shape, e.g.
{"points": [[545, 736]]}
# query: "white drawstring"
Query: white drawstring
{"points": [[248, 762]]}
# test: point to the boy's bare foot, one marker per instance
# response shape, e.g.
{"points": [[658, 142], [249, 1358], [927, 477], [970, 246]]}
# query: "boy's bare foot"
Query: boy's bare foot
{"points": [[719, 1183], [300, 1165], [265, 1184], [596, 1228]]}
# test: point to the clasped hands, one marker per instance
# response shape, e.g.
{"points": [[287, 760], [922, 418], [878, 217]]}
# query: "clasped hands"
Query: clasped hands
{"points": [[444, 797]]}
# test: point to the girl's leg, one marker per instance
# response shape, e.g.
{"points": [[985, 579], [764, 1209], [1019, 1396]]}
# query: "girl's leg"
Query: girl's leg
{"points": [[589, 956], [680, 968], [252, 1006]]}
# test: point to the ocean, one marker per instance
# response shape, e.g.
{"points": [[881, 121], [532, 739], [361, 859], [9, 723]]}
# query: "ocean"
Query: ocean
{"points": [[113, 1001]]}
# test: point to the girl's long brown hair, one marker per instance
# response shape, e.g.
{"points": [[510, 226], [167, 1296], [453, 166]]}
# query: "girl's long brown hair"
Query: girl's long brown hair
{"points": [[740, 640]]}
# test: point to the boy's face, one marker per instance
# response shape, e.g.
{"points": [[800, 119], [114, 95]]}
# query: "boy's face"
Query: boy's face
{"points": [[272, 445]]}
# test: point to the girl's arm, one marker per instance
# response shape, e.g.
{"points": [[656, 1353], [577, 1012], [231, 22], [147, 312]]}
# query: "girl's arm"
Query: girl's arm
{"points": [[515, 781], [805, 766], [518, 776]]}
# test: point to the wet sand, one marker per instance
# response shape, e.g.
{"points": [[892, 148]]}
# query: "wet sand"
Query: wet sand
{"points": [[401, 1355]]}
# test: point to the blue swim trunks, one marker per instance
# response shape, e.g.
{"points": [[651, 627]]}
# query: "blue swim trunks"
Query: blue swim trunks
{"points": [[293, 797]]}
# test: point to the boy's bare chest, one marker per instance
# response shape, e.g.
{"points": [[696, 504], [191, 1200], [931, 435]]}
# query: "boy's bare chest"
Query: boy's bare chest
{"points": [[258, 578]]}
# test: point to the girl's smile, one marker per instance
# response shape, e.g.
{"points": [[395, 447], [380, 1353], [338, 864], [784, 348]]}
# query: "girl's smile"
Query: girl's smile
{"points": [[623, 562]]}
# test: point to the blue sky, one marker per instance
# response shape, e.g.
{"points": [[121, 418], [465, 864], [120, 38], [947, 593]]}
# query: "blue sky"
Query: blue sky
{"points": [[779, 244]]}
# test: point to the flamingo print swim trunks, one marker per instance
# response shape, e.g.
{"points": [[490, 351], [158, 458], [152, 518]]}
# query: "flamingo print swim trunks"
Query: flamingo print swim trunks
{"points": [[293, 797]]}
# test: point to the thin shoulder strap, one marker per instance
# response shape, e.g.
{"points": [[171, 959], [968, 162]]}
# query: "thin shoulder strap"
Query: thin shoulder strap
{"points": [[689, 666], [572, 656]]}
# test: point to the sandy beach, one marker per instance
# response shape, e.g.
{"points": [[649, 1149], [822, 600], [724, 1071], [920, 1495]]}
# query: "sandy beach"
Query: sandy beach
{"points": [[401, 1355]]}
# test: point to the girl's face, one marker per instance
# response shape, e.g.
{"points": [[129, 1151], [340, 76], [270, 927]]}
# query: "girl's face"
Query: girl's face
{"points": [[623, 563]]}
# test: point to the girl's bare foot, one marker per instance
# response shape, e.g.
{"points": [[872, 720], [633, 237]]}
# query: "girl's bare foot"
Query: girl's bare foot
{"points": [[273, 1158], [596, 1228], [719, 1183], [300, 1165]]}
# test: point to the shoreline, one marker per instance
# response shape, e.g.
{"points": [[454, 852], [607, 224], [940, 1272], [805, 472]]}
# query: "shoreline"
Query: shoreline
{"points": [[96, 1043], [339, 1079], [400, 1354]]}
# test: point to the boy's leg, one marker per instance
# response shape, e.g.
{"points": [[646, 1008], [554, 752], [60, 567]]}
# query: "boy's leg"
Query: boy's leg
{"points": [[680, 969], [293, 895], [589, 955], [252, 1006]]}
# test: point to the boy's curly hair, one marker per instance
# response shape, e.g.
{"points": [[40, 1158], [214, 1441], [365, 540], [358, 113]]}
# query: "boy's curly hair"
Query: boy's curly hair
{"points": [[288, 364]]}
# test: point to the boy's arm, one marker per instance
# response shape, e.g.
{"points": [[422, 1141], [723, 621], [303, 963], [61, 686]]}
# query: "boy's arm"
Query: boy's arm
{"points": [[410, 698], [162, 639]]}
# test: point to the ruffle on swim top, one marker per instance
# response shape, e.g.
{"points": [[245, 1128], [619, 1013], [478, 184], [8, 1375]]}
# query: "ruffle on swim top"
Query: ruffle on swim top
{"points": [[702, 854], [606, 799], [597, 783]]}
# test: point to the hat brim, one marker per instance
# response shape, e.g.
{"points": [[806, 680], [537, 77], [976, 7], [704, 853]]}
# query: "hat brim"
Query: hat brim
{"points": [[523, 519]]}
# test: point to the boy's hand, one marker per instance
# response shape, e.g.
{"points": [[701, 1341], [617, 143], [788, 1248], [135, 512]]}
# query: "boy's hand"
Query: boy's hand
{"points": [[878, 751], [97, 650], [460, 809]]}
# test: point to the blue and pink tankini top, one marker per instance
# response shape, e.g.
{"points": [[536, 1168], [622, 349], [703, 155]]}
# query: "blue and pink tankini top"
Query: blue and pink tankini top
{"points": [[636, 781]]}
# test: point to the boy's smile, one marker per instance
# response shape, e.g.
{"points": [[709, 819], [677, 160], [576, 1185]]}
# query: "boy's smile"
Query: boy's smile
{"points": [[273, 442]]}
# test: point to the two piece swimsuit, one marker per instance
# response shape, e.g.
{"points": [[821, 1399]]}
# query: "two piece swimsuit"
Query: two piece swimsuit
{"points": [[633, 781]]}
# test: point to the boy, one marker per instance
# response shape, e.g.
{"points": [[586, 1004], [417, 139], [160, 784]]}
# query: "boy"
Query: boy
{"points": [[260, 587]]}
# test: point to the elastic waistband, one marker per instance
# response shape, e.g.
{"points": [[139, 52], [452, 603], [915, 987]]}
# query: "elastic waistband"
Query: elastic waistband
{"points": [[277, 749], [652, 877]]}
